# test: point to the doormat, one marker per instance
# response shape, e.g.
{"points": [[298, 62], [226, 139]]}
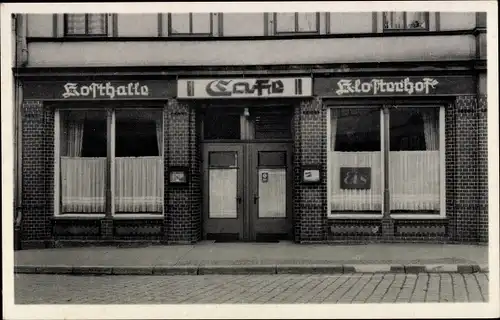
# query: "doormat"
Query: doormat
{"points": [[271, 237], [223, 237]]}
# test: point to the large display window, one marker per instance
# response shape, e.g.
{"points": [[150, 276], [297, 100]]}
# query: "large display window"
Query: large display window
{"points": [[406, 141]]}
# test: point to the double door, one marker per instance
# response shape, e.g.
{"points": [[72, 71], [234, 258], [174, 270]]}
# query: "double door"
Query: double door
{"points": [[247, 191]]}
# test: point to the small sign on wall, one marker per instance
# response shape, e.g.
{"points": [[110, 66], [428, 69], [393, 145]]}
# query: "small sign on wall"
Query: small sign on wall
{"points": [[311, 174], [355, 178], [178, 176], [265, 177]]}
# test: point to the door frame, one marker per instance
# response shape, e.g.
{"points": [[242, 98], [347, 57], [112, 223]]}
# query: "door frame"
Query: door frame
{"points": [[230, 225], [257, 224], [247, 221]]}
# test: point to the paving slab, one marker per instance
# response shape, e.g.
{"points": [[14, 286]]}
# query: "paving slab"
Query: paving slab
{"points": [[257, 258]]}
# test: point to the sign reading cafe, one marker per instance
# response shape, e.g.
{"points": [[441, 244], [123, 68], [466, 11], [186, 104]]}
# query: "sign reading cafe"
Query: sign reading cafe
{"points": [[244, 88]]}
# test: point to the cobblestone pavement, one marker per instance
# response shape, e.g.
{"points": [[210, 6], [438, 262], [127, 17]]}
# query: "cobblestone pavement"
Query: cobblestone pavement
{"points": [[342, 288]]}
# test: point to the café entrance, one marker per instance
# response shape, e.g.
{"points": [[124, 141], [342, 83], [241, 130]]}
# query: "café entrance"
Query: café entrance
{"points": [[247, 173]]}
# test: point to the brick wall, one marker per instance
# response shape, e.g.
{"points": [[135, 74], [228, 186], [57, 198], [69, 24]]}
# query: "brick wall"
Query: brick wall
{"points": [[183, 203], [482, 127], [466, 169], [309, 202], [38, 170]]}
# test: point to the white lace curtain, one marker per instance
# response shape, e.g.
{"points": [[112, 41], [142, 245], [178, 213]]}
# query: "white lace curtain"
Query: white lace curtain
{"points": [[414, 179], [82, 179], [354, 199], [138, 180]]}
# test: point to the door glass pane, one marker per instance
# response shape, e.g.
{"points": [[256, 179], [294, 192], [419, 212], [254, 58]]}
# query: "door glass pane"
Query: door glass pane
{"points": [[307, 21], [222, 192], [222, 159], [414, 172], [272, 158], [179, 23], [355, 167], [139, 161], [201, 23], [83, 161], [272, 193], [285, 22]]}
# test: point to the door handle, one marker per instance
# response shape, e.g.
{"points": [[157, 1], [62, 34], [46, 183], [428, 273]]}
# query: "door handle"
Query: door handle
{"points": [[255, 198], [238, 199]]}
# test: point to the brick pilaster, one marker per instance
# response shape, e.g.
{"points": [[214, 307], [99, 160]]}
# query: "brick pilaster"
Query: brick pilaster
{"points": [[183, 204], [38, 172], [310, 201]]}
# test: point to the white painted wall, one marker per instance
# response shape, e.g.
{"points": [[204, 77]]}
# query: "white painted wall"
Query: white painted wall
{"points": [[138, 25], [457, 21], [40, 25], [243, 24], [255, 52], [351, 22]]}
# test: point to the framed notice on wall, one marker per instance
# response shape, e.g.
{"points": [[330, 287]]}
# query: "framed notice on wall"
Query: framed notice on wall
{"points": [[178, 176], [311, 174]]}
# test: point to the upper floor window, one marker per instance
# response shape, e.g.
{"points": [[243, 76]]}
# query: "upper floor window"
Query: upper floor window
{"points": [[296, 22], [190, 24], [85, 24], [406, 21]]}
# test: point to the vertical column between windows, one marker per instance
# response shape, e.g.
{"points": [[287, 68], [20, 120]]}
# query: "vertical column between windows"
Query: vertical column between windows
{"points": [[109, 162], [442, 160], [57, 163], [111, 152]]}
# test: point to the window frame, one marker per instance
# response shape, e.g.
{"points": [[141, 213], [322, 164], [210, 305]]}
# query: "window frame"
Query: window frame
{"points": [[111, 145], [86, 34], [405, 29], [296, 27], [384, 126], [211, 33]]}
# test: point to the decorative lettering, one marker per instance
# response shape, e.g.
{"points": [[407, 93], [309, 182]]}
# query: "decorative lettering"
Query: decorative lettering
{"points": [[260, 87], [377, 86], [355, 178], [107, 90]]}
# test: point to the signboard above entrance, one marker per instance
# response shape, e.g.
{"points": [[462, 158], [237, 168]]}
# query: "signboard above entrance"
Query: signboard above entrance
{"points": [[393, 86], [99, 90], [244, 88]]}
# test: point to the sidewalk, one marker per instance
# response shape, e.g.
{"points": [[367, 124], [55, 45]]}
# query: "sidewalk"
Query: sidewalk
{"points": [[254, 258]]}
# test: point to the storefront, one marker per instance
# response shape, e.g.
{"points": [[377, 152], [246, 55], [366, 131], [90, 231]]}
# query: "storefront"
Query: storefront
{"points": [[329, 159], [406, 158], [94, 160], [247, 142]]}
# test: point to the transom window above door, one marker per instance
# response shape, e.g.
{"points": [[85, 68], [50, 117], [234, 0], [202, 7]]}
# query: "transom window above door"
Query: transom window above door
{"points": [[240, 123]]}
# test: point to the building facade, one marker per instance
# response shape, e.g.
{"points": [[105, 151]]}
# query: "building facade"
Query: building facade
{"points": [[311, 127]]}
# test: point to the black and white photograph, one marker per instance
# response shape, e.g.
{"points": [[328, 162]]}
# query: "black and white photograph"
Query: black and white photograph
{"points": [[333, 159]]}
